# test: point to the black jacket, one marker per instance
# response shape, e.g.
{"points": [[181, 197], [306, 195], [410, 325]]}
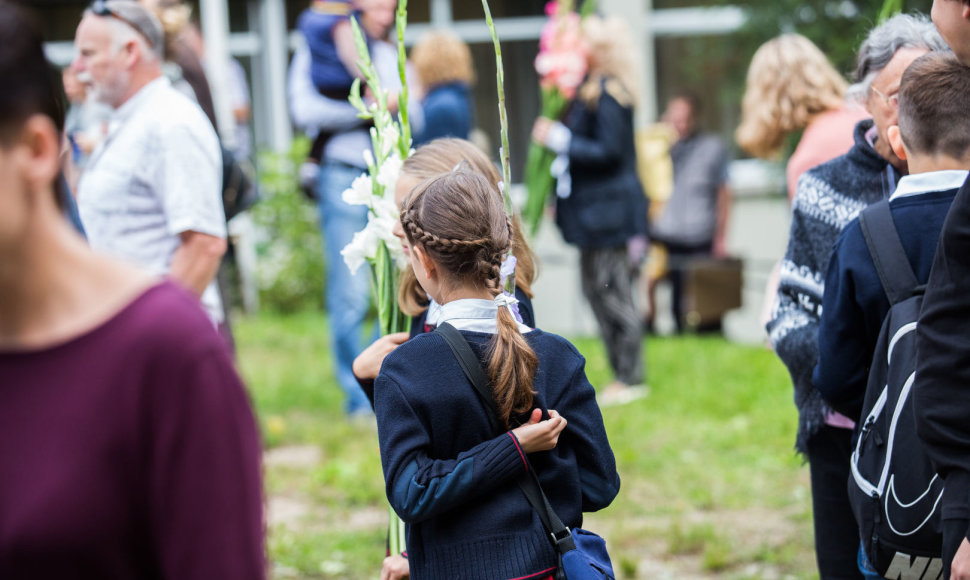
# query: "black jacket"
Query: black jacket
{"points": [[941, 392], [607, 205]]}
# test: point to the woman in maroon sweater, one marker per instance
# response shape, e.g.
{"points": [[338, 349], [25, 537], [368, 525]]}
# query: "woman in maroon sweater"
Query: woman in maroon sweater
{"points": [[127, 443]]}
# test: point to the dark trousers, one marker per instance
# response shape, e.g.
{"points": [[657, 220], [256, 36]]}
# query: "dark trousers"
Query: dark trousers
{"points": [[836, 531], [608, 280], [678, 256], [954, 530]]}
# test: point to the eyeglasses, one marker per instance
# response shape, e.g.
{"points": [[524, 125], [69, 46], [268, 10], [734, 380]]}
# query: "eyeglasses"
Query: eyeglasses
{"points": [[891, 100], [100, 8]]}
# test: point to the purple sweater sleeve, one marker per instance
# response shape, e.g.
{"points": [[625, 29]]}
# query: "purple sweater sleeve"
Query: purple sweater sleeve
{"points": [[203, 457]]}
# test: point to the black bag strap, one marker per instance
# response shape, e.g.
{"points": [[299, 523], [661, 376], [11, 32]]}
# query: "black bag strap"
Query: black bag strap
{"points": [[528, 483], [888, 256], [473, 369]]}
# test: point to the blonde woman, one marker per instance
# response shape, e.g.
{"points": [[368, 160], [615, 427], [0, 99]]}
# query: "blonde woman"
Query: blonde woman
{"points": [[444, 66], [792, 87], [601, 206]]}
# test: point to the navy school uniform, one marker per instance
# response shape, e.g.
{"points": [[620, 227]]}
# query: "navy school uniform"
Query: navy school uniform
{"points": [[453, 480]]}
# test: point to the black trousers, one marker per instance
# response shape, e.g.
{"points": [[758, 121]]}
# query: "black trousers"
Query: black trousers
{"points": [[836, 531]]}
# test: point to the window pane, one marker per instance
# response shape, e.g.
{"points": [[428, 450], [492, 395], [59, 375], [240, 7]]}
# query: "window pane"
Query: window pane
{"points": [[472, 9]]}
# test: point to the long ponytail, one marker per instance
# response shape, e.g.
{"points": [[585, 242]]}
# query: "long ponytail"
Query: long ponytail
{"points": [[457, 219], [511, 367]]}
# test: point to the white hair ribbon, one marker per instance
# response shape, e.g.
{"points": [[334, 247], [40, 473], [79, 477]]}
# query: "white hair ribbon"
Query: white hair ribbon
{"points": [[507, 301]]}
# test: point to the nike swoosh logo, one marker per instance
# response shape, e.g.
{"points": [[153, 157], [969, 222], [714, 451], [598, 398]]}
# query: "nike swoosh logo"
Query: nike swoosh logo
{"points": [[915, 514]]}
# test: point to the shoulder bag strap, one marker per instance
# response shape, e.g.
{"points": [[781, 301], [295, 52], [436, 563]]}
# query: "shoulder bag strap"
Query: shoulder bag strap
{"points": [[888, 256], [473, 369], [528, 483]]}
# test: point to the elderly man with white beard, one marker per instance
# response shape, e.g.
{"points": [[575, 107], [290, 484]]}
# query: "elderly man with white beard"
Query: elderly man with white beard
{"points": [[151, 193]]}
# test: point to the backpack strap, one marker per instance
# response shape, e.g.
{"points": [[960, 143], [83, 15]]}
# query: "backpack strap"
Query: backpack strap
{"points": [[888, 256], [528, 483]]}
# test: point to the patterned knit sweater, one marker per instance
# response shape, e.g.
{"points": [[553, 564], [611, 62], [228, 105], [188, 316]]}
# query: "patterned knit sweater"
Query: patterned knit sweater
{"points": [[827, 198]]}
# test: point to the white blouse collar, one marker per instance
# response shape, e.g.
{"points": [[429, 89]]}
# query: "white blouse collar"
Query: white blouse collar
{"points": [[471, 314]]}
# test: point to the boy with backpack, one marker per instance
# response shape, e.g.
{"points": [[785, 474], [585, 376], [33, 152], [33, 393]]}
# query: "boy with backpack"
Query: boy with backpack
{"points": [[869, 310]]}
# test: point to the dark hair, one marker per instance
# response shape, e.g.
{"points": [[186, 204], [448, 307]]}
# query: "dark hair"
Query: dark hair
{"points": [[693, 101], [30, 84], [933, 114], [457, 219]]}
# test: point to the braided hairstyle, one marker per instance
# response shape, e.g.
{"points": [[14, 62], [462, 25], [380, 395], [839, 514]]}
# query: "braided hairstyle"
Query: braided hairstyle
{"points": [[461, 225], [443, 155]]}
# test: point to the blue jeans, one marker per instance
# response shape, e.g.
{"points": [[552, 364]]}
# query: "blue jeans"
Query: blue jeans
{"points": [[347, 296]]}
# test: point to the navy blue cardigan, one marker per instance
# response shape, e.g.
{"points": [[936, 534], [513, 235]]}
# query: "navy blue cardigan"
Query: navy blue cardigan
{"points": [[453, 480], [854, 304], [607, 205]]}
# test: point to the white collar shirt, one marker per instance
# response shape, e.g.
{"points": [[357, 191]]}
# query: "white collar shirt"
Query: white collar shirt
{"points": [[472, 314], [157, 174]]}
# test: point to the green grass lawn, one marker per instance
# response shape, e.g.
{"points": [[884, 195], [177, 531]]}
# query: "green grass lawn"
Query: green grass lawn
{"points": [[711, 487]]}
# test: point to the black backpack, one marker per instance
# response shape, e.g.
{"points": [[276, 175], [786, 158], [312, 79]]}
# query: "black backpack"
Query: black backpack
{"points": [[894, 491]]}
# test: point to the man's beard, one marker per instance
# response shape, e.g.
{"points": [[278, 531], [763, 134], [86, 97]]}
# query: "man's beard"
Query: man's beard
{"points": [[110, 91]]}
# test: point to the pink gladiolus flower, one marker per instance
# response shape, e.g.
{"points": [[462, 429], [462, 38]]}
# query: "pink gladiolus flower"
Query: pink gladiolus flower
{"points": [[562, 59]]}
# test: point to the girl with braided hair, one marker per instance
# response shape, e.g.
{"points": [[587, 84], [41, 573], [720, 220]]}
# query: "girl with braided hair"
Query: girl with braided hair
{"points": [[431, 159], [448, 474], [440, 156]]}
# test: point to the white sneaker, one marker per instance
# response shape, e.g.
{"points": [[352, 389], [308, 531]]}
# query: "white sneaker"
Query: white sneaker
{"points": [[620, 394]]}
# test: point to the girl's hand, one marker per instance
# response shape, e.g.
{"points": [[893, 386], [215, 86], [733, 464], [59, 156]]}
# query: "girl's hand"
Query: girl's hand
{"points": [[538, 435], [368, 363], [395, 568]]}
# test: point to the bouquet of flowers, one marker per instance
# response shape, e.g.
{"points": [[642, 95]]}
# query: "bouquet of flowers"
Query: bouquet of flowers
{"points": [[561, 65], [376, 243]]}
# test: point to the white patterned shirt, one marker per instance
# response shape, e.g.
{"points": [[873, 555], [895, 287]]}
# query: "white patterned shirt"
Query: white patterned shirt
{"points": [[157, 174]]}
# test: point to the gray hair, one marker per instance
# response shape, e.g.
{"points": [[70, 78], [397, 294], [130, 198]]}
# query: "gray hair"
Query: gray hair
{"points": [[884, 41], [138, 22]]}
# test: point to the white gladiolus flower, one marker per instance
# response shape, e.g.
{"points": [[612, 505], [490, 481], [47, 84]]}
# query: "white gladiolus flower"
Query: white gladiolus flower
{"points": [[385, 208], [384, 227], [368, 158], [361, 192], [389, 171], [362, 248], [391, 136]]}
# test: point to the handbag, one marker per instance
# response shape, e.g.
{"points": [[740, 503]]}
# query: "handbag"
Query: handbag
{"points": [[239, 192], [582, 554]]}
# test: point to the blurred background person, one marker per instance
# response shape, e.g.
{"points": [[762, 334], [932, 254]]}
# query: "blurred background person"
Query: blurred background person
{"points": [[237, 89], [86, 122], [136, 451], [694, 219], [792, 87], [443, 63], [347, 295], [182, 65], [601, 206], [151, 193], [827, 198]]}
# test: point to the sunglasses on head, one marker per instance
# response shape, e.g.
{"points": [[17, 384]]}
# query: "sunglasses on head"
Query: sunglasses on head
{"points": [[100, 8]]}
